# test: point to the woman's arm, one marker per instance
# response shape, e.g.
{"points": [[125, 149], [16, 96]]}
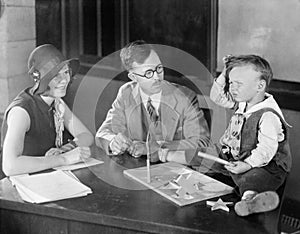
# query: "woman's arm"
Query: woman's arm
{"points": [[14, 163], [82, 136], [18, 123]]}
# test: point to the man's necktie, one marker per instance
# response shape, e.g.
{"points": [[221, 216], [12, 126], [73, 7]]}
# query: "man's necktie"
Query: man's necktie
{"points": [[151, 111], [151, 136]]}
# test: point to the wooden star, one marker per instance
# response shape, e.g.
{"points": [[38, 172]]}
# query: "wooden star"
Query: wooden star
{"points": [[216, 205]]}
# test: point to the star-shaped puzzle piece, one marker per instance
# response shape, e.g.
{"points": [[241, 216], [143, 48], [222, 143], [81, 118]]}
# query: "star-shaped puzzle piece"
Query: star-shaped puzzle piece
{"points": [[186, 184], [216, 205]]}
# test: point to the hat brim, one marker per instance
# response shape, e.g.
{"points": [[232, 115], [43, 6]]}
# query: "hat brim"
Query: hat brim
{"points": [[74, 65]]}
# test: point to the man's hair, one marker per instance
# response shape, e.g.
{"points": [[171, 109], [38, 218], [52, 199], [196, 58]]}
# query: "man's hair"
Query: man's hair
{"points": [[137, 51], [258, 63]]}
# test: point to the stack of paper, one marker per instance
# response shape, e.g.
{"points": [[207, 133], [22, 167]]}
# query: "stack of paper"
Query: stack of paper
{"points": [[52, 186]]}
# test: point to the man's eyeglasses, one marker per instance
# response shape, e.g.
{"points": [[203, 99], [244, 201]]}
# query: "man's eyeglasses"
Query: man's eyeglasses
{"points": [[150, 73]]}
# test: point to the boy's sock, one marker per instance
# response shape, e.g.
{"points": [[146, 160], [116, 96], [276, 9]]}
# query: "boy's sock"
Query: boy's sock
{"points": [[261, 202]]}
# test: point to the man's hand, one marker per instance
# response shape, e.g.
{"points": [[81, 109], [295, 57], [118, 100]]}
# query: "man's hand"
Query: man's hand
{"points": [[120, 143], [76, 155], [137, 149], [238, 167]]}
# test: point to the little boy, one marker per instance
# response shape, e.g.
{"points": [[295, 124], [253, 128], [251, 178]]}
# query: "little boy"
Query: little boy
{"points": [[255, 141]]}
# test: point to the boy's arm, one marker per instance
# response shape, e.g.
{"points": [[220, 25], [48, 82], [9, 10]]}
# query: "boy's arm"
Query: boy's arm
{"points": [[269, 134], [218, 95]]}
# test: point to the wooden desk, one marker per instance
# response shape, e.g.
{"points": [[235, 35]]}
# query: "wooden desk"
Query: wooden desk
{"points": [[119, 205]]}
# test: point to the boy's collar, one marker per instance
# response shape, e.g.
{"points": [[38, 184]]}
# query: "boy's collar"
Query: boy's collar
{"points": [[268, 102]]}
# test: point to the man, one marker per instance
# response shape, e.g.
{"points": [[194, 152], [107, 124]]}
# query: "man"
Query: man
{"points": [[150, 109], [34, 122]]}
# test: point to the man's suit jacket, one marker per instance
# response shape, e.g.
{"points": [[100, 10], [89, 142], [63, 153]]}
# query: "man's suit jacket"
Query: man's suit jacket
{"points": [[183, 123]]}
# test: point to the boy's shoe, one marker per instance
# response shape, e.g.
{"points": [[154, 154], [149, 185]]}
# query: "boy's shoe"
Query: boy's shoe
{"points": [[262, 202]]}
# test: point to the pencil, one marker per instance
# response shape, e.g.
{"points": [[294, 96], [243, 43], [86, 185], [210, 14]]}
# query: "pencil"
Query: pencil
{"points": [[148, 158], [148, 171]]}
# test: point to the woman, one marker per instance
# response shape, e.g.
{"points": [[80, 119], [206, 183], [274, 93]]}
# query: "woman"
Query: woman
{"points": [[34, 122]]}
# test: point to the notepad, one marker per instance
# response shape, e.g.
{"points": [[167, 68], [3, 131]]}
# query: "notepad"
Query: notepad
{"points": [[87, 163], [51, 186]]}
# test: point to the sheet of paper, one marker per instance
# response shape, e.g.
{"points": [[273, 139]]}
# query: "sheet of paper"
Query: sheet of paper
{"points": [[46, 187], [87, 163], [213, 158]]}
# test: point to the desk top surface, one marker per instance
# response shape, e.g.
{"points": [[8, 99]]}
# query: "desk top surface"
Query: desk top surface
{"points": [[118, 201]]}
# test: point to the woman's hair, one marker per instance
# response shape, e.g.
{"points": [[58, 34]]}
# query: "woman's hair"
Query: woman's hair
{"points": [[137, 51], [258, 63]]}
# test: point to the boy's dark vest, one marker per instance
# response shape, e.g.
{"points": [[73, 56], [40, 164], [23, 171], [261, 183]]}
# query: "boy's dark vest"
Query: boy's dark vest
{"points": [[41, 135], [249, 139]]}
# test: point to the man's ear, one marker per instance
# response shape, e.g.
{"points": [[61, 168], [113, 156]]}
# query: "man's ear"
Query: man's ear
{"points": [[131, 76]]}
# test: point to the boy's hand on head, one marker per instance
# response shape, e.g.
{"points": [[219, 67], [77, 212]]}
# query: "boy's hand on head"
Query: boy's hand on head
{"points": [[238, 167], [226, 59]]}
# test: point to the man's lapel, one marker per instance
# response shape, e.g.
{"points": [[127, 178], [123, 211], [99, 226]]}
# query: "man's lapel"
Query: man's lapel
{"points": [[134, 120], [169, 115]]}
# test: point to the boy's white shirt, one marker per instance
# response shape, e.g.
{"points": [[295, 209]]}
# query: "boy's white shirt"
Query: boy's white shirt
{"points": [[270, 128]]}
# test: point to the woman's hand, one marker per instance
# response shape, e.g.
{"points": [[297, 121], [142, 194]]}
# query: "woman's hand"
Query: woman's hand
{"points": [[76, 155], [67, 147], [54, 152]]}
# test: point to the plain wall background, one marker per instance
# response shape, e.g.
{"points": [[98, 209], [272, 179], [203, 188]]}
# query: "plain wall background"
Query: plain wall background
{"points": [[270, 28]]}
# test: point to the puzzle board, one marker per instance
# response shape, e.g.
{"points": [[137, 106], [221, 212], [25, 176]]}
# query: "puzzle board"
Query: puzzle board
{"points": [[179, 184]]}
